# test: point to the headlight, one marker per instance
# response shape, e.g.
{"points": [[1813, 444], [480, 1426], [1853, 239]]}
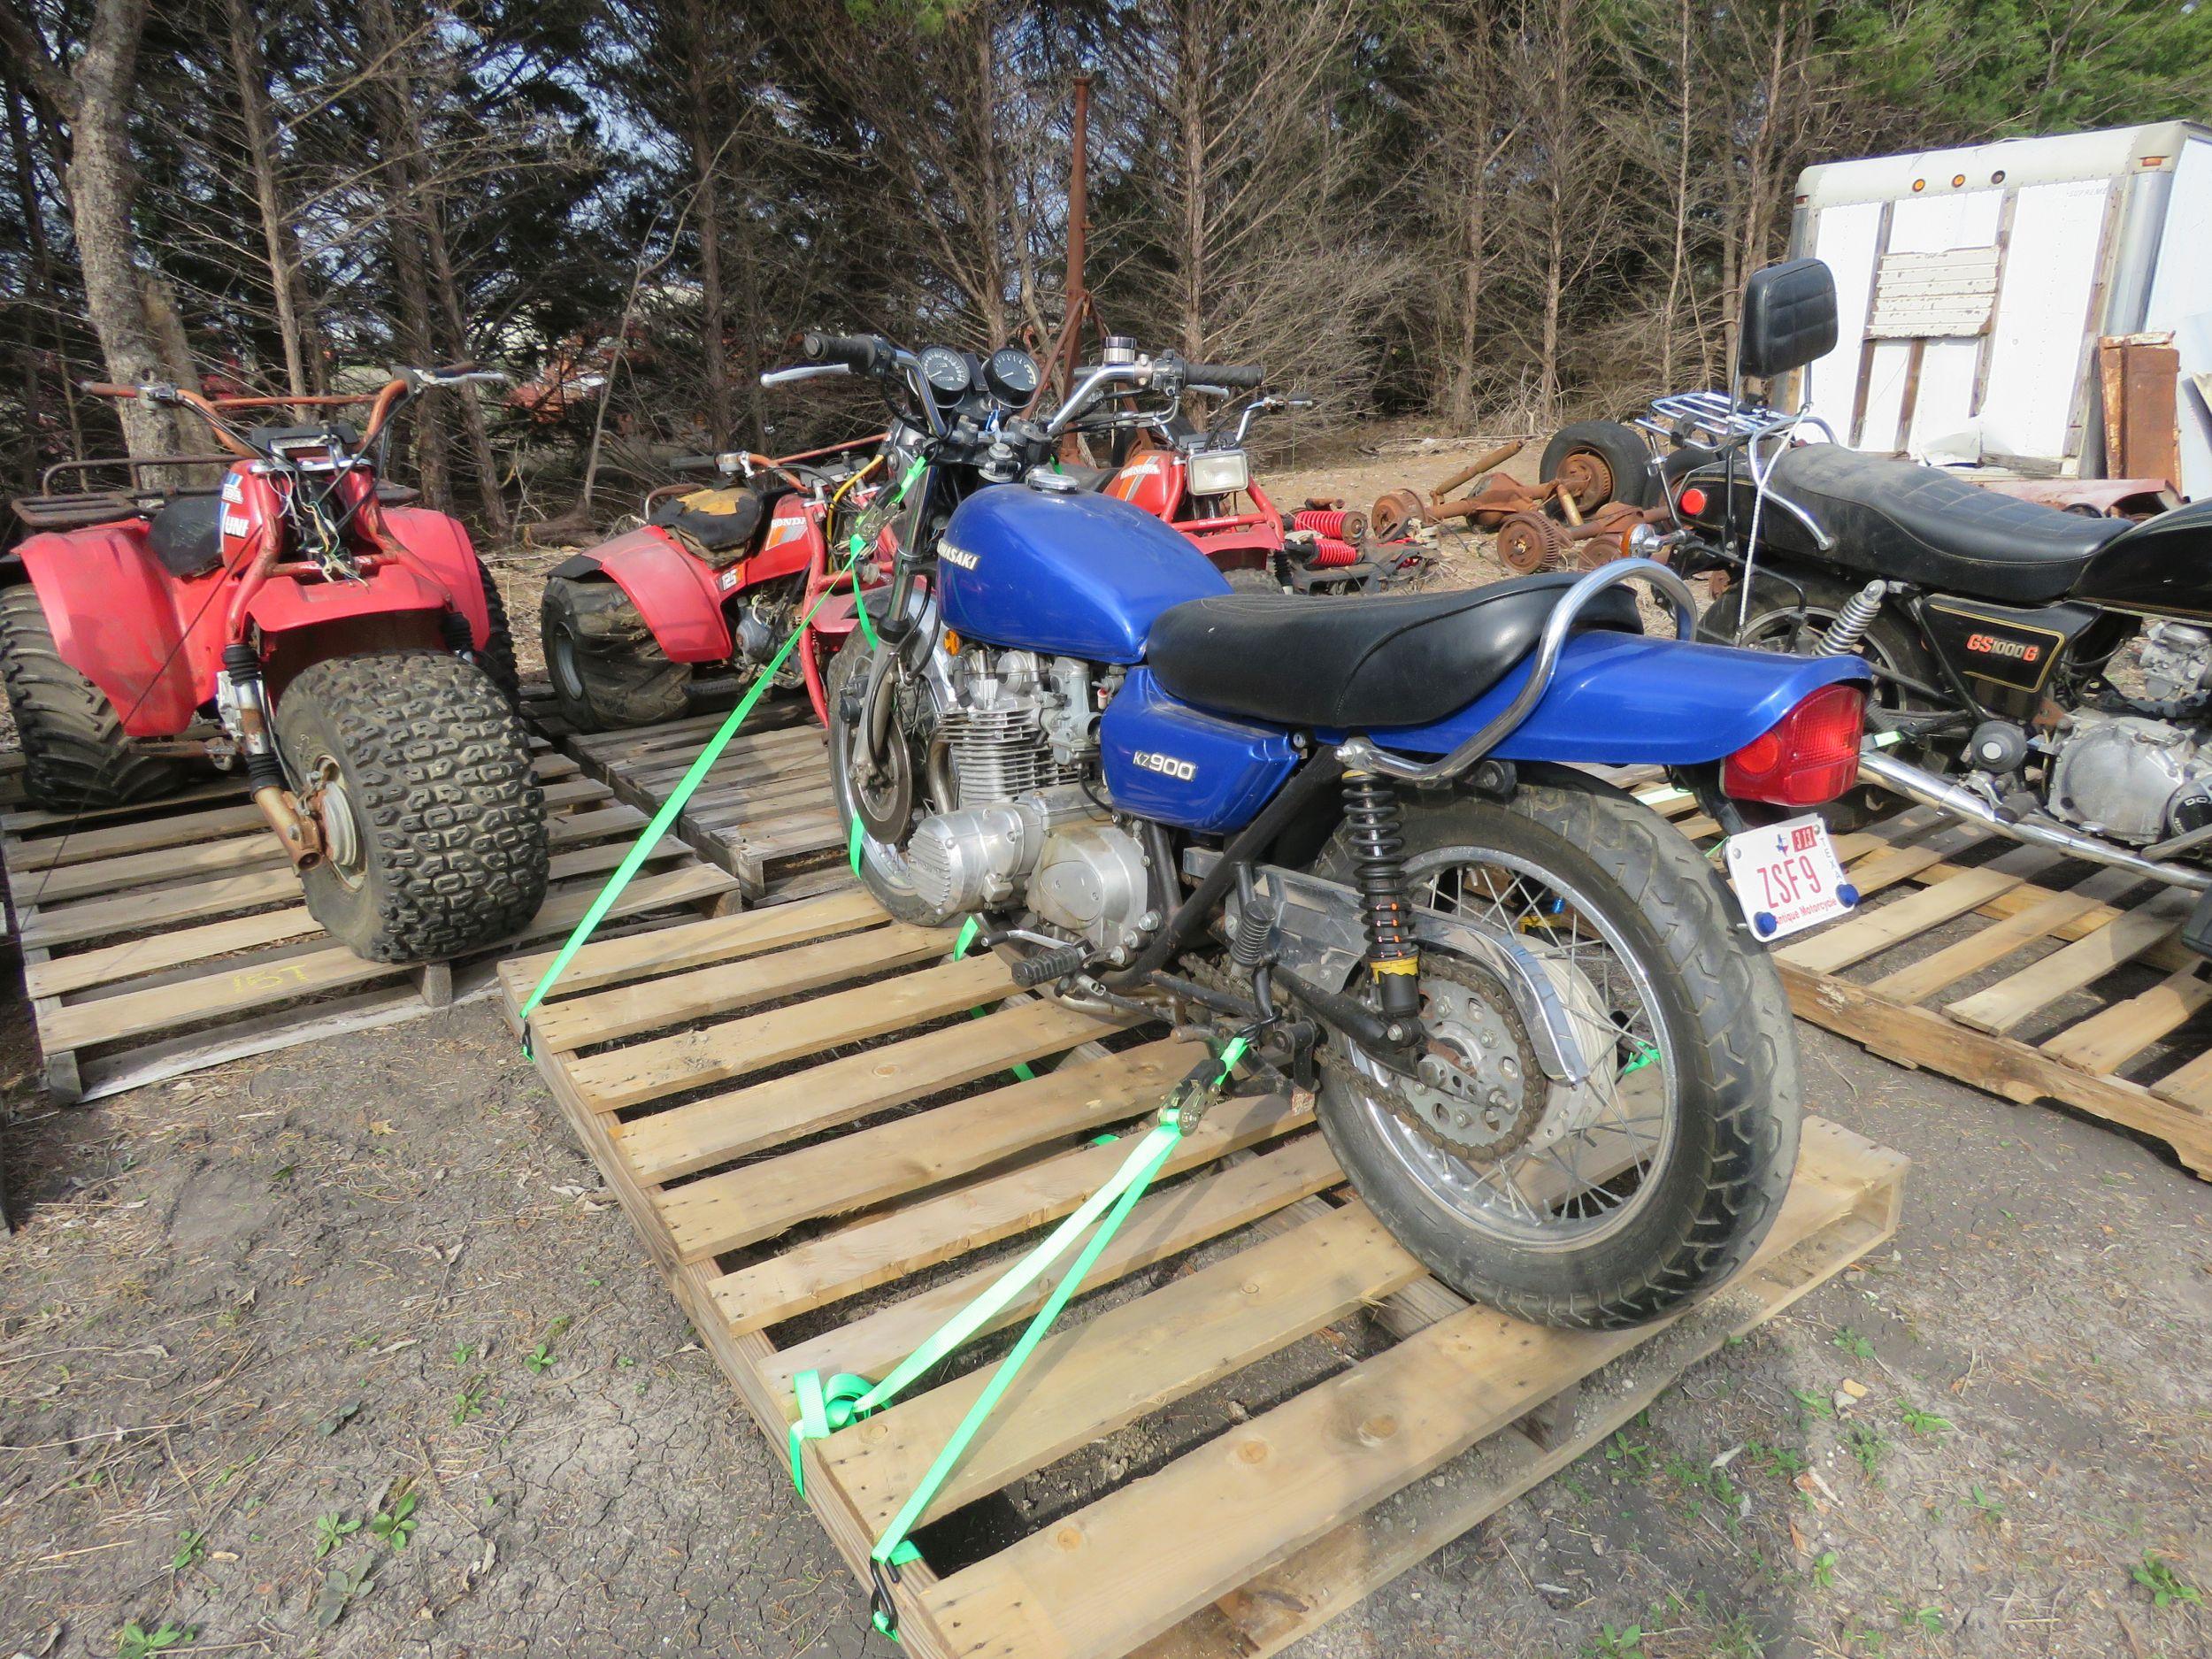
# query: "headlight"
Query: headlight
{"points": [[1219, 472]]}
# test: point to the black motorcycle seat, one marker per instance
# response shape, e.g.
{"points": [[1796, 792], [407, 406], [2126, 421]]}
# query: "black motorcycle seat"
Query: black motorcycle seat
{"points": [[1916, 524], [186, 534], [1363, 661]]}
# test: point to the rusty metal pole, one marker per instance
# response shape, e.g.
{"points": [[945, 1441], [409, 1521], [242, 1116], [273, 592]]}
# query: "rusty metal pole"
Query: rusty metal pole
{"points": [[1079, 195]]}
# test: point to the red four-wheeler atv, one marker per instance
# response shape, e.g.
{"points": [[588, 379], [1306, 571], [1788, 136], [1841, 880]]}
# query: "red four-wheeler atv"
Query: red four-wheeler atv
{"points": [[696, 599], [348, 648]]}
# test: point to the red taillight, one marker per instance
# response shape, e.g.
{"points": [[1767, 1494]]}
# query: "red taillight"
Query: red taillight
{"points": [[1810, 756], [1692, 501]]}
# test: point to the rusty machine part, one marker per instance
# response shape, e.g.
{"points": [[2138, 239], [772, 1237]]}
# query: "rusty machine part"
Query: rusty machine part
{"points": [[1585, 481], [1397, 514], [1528, 542]]}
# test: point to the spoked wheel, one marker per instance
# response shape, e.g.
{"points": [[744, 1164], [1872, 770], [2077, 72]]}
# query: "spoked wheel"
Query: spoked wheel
{"points": [[1610, 1202], [880, 783]]}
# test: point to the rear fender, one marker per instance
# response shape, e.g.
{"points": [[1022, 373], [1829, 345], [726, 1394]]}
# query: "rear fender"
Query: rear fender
{"points": [[1621, 699], [440, 544], [149, 642], [677, 596]]}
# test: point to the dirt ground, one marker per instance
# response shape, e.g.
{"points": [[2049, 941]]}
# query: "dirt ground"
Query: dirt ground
{"points": [[345, 1351]]}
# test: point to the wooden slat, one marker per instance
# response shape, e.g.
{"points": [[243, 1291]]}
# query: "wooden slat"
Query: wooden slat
{"points": [[2043, 913], [739, 1206], [715, 1053], [2190, 1088], [2013, 999], [1089, 1379], [727, 986], [1096, 1584], [1164, 1225], [688, 945], [1875, 931], [2111, 1037], [701, 1133], [871, 1253]]}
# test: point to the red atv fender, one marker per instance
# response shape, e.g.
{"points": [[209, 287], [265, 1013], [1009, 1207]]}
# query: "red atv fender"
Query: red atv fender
{"points": [[677, 596], [153, 642]]}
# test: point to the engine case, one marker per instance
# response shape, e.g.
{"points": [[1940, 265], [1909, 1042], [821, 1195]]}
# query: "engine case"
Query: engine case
{"points": [[2135, 779]]}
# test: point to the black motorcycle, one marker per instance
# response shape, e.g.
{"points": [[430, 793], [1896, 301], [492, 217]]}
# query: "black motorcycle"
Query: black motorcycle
{"points": [[1994, 625]]}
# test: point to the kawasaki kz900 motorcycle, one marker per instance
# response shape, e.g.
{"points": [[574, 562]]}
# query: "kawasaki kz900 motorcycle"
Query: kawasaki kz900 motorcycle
{"points": [[1547, 1048]]}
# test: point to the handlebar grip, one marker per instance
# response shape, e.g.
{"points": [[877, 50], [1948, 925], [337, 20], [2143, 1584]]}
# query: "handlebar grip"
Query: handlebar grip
{"points": [[695, 463], [105, 388], [857, 353], [1229, 377]]}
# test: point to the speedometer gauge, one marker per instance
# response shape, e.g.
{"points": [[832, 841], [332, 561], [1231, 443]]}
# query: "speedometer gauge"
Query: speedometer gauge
{"points": [[947, 371], [1010, 376]]}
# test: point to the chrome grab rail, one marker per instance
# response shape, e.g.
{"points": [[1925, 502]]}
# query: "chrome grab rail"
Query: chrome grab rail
{"points": [[1359, 754]]}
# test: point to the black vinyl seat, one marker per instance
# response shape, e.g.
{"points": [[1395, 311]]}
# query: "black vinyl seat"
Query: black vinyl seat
{"points": [[186, 534], [1914, 523], [1360, 661]]}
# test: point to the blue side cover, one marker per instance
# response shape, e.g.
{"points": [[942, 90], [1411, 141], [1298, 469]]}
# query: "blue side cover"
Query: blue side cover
{"points": [[1075, 575], [1166, 760], [1619, 699]]}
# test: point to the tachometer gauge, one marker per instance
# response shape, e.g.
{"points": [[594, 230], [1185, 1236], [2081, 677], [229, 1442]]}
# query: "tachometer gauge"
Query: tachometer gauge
{"points": [[946, 371], [1010, 376]]}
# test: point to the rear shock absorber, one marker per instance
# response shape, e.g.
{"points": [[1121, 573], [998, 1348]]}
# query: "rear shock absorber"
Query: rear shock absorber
{"points": [[248, 706], [1852, 622], [1371, 820]]}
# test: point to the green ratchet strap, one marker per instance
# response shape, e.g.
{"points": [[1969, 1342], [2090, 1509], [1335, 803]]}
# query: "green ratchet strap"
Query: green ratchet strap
{"points": [[854, 547], [650, 837], [960, 948], [824, 1407]]}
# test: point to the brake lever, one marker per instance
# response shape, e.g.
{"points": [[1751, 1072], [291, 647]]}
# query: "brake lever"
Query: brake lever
{"points": [[804, 372]]}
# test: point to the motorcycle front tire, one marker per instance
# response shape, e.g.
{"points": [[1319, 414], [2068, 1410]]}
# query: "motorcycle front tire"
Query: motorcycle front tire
{"points": [[1719, 1001]]}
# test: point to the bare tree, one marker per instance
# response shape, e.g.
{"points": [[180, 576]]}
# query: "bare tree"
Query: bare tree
{"points": [[128, 301]]}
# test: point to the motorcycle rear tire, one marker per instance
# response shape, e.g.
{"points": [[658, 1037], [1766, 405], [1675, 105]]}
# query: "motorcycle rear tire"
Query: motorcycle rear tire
{"points": [[75, 756], [450, 851], [1720, 1005], [607, 670]]}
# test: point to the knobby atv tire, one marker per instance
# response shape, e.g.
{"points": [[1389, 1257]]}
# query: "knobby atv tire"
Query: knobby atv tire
{"points": [[74, 752], [451, 822], [607, 669], [1726, 1021], [498, 658]]}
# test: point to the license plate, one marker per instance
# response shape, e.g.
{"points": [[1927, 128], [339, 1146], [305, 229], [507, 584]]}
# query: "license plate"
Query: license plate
{"points": [[1787, 877]]}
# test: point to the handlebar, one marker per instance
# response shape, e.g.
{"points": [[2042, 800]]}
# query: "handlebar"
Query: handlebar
{"points": [[404, 383], [862, 354], [1224, 377]]}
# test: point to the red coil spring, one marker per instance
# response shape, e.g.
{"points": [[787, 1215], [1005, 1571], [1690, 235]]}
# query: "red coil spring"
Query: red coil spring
{"points": [[1321, 520], [1329, 553]]}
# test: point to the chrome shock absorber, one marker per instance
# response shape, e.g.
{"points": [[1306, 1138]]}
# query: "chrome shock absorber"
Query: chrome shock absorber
{"points": [[1852, 622], [1371, 820]]}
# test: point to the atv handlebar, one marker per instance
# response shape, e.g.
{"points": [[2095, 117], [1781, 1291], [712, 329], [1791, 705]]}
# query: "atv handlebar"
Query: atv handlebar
{"points": [[405, 382]]}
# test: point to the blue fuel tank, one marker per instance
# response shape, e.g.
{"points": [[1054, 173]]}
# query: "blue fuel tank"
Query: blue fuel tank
{"points": [[1066, 575]]}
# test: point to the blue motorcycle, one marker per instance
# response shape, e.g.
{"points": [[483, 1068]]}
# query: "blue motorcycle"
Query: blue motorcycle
{"points": [[1547, 1043]]}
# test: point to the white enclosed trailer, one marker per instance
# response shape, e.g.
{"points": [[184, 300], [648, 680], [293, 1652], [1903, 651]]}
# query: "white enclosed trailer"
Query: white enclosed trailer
{"points": [[1986, 293]]}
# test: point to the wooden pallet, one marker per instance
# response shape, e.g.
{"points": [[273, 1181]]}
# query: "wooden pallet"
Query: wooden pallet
{"points": [[2052, 979], [823, 1149], [160, 939], [763, 813]]}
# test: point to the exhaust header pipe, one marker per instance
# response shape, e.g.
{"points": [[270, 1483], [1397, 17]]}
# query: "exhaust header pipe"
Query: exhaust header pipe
{"points": [[1930, 790]]}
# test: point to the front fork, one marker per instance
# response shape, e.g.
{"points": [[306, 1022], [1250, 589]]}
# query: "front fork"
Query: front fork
{"points": [[1393, 960]]}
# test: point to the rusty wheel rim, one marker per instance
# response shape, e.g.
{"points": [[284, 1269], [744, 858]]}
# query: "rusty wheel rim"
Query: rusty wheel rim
{"points": [[1584, 475], [1395, 512], [1529, 542]]}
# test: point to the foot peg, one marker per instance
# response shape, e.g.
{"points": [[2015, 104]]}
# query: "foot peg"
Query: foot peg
{"points": [[1043, 969]]}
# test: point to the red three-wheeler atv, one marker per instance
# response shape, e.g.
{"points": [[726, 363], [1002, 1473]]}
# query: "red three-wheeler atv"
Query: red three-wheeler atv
{"points": [[699, 598], [303, 620]]}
